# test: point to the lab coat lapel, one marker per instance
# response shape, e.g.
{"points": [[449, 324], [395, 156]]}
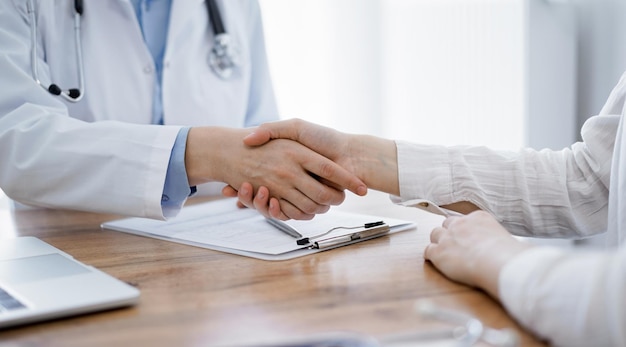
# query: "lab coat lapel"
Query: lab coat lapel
{"points": [[181, 13]]}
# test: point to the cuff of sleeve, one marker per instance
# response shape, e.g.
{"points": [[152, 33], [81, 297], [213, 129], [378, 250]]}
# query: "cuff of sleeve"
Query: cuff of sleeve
{"points": [[176, 189], [424, 172]]}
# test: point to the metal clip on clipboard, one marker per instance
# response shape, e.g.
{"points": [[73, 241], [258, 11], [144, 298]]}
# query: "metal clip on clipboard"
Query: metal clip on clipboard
{"points": [[371, 230]]}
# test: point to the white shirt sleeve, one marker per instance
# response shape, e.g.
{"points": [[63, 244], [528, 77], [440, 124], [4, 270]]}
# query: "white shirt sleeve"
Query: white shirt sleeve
{"points": [[533, 193], [568, 298]]}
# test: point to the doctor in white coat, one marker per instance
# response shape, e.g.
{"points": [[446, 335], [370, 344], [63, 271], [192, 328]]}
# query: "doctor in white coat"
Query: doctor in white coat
{"points": [[136, 65]]}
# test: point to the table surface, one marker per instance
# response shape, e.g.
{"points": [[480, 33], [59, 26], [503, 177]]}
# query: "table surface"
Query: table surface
{"points": [[192, 296]]}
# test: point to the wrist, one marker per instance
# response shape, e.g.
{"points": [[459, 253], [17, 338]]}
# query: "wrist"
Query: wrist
{"points": [[492, 262], [206, 153], [376, 162]]}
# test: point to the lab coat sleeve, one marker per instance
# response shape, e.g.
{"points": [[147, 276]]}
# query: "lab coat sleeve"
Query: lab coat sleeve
{"points": [[262, 103], [52, 160], [533, 193], [569, 299]]}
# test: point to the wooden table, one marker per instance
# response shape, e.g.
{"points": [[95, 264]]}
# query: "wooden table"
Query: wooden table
{"points": [[197, 297]]}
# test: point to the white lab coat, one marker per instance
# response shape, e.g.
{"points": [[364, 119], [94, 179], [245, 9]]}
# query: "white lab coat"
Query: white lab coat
{"points": [[100, 154]]}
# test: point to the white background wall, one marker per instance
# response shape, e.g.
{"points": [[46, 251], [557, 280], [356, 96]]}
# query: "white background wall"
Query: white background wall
{"points": [[350, 64], [601, 52]]}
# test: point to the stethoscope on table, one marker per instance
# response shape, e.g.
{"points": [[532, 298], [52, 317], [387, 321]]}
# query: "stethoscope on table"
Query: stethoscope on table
{"points": [[223, 58]]}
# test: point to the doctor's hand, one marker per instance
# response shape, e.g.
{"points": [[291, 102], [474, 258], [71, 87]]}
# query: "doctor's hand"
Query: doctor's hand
{"points": [[472, 250], [292, 172], [370, 158]]}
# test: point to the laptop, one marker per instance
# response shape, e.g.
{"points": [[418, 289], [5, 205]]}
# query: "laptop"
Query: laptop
{"points": [[40, 282]]}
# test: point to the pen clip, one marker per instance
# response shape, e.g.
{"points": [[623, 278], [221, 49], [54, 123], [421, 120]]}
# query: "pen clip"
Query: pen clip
{"points": [[307, 240], [370, 233]]}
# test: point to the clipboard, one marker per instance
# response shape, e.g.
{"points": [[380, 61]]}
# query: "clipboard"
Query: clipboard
{"points": [[222, 226]]}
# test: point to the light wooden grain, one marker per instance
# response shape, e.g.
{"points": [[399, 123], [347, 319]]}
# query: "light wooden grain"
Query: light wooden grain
{"points": [[197, 297]]}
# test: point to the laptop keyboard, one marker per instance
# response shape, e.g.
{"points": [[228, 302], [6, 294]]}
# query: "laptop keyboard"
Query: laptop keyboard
{"points": [[8, 302]]}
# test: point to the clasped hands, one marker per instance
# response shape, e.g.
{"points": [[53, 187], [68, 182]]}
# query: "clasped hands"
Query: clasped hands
{"points": [[323, 145]]}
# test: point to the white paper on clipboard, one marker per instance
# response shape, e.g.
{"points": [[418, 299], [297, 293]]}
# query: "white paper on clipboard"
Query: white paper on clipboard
{"points": [[220, 225]]}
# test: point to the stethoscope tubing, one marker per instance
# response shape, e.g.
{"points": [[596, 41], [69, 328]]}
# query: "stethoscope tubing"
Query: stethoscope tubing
{"points": [[215, 17], [72, 95]]}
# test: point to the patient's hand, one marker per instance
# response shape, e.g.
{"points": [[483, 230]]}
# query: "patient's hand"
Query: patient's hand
{"points": [[328, 142], [473, 249]]}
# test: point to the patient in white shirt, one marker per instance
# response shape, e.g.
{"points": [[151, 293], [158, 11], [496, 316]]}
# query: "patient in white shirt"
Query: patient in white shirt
{"points": [[568, 297]]}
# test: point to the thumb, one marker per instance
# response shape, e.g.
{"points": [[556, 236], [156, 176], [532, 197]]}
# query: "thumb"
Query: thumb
{"points": [[257, 137], [288, 129]]}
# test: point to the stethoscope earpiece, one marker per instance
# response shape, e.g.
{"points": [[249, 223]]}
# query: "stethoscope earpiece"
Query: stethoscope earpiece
{"points": [[73, 94], [54, 89]]}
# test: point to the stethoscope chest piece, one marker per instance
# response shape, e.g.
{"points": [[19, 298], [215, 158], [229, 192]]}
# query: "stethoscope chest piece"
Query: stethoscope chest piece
{"points": [[224, 56]]}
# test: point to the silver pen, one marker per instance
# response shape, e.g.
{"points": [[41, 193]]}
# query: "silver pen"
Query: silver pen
{"points": [[284, 227]]}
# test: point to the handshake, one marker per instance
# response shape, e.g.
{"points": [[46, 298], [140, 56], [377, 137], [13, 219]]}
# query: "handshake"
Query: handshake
{"points": [[294, 169]]}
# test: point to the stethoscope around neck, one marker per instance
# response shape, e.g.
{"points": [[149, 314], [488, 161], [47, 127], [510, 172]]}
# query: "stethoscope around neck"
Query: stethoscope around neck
{"points": [[223, 58]]}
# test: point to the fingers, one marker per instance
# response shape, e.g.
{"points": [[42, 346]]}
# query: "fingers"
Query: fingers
{"points": [[262, 201], [245, 194], [304, 182], [271, 207], [288, 129], [292, 176], [292, 212], [229, 192], [310, 198], [301, 185], [328, 170], [274, 210], [325, 144], [279, 209], [257, 137], [258, 201], [268, 206], [430, 251], [435, 235], [448, 221]]}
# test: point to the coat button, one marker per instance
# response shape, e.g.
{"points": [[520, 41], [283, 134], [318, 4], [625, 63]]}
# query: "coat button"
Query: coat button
{"points": [[147, 69]]}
